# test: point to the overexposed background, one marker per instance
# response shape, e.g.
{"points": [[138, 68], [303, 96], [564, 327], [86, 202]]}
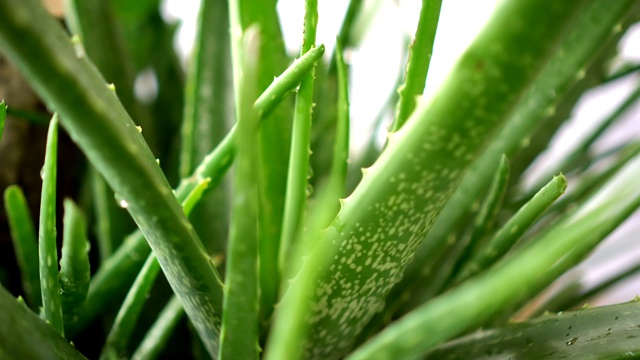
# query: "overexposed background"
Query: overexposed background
{"points": [[387, 28]]}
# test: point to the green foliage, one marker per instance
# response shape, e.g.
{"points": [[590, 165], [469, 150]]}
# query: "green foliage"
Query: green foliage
{"points": [[439, 239]]}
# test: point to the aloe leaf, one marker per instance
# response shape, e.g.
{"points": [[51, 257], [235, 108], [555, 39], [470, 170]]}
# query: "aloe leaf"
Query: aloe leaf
{"points": [[125, 321], [27, 115], [381, 224], [576, 294], [101, 36], [517, 225], [467, 246], [290, 326], [297, 178], [75, 273], [25, 336], [591, 33], [346, 29], [606, 332], [239, 336], [275, 135], [418, 63], [624, 70], [47, 248], [490, 207], [23, 234], [119, 270], [114, 145], [157, 336], [207, 116], [581, 151], [288, 80], [539, 263], [106, 215], [340, 161], [129, 312]]}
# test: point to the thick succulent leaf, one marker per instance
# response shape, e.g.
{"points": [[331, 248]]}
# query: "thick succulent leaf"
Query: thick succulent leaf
{"points": [[298, 172], [275, 134], [239, 336], [25, 243], [37, 42], [599, 26], [23, 335], [118, 271], [47, 243], [419, 59], [381, 224], [607, 332], [75, 271]]}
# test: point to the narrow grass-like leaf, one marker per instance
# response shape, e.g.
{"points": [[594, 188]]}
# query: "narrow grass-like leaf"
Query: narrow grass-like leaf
{"points": [[298, 175], [346, 29], [157, 336], [607, 332], [384, 220], [75, 272], [25, 242], [576, 294], [581, 152], [514, 228], [536, 265], [47, 248], [118, 337], [129, 312], [591, 34], [624, 70], [340, 161], [104, 206], [3, 116], [116, 148], [23, 335], [27, 115], [240, 321], [485, 220], [119, 270], [418, 63], [203, 123]]}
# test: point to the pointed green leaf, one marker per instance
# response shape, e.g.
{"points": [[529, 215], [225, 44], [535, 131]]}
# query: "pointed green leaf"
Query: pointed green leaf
{"points": [[111, 141], [607, 332], [239, 336], [25, 243], [157, 336], [381, 224], [23, 335], [298, 174], [74, 264], [418, 64], [47, 245]]}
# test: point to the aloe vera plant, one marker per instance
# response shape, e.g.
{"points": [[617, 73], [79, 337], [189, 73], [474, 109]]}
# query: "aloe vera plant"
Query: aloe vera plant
{"points": [[408, 265]]}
